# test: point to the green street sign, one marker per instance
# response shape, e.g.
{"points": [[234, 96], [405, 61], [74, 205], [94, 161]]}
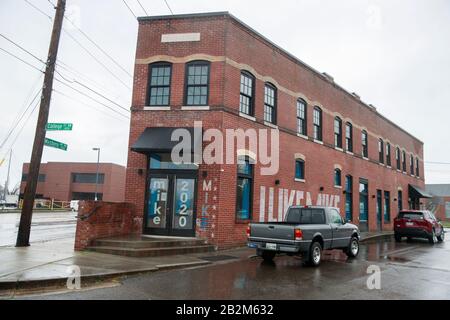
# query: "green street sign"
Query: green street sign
{"points": [[59, 126], [55, 144]]}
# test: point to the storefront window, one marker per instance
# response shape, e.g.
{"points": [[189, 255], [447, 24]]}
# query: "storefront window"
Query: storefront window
{"points": [[244, 190], [164, 161]]}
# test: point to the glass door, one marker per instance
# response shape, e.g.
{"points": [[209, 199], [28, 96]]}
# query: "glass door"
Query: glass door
{"points": [[170, 205]]}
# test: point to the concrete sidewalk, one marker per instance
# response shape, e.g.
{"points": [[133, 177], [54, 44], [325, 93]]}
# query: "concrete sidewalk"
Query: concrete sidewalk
{"points": [[46, 264]]}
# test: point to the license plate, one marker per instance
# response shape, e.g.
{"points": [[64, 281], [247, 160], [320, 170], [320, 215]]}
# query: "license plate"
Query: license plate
{"points": [[409, 224], [271, 246]]}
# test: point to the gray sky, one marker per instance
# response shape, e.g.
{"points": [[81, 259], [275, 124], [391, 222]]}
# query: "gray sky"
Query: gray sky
{"points": [[394, 54]]}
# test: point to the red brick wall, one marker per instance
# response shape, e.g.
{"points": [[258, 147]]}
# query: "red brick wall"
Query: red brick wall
{"points": [[223, 37], [107, 220]]}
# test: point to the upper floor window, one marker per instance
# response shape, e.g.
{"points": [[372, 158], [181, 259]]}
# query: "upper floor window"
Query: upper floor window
{"points": [[247, 92], [381, 151], [349, 137], [365, 149], [411, 164], [404, 161], [41, 177], [337, 177], [270, 103], [397, 157], [388, 154], [301, 117], [417, 168], [300, 169], [317, 121], [197, 83], [159, 86], [338, 132], [88, 178]]}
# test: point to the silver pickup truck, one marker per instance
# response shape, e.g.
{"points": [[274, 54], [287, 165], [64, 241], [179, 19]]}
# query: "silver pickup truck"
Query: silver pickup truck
{"points": [[306, 231]]}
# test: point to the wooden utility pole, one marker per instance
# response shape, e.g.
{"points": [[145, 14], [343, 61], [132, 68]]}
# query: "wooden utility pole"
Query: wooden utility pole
{"points": [[23, 235]]}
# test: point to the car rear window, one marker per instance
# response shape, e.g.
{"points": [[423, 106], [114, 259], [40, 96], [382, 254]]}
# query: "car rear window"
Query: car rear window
{"points": [[306, 216], [411, 215]]}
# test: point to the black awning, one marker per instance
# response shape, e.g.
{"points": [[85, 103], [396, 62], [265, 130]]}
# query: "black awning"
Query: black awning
{"points": [[159, 139], [416, 192]]}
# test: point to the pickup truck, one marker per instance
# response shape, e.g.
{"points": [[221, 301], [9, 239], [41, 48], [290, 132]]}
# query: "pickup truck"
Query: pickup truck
{"points": [[305, 231]]}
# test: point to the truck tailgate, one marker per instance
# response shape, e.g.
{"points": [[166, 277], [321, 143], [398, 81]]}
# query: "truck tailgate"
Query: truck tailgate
{"points": [[275, 231]]}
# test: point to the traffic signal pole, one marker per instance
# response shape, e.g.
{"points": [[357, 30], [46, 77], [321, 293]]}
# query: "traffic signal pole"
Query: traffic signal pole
{"points": [[23, 236]]}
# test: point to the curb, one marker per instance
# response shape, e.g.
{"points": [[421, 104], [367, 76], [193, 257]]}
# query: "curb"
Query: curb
{"points": [[376, 236], [40, 284]]}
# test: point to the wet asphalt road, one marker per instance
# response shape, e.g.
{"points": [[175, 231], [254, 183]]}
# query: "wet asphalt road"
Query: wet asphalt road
{"points": [[409, 270], [45, 226]]}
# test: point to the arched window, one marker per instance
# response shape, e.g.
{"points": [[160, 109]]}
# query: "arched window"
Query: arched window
{"points": [[349, 137], [300, 169], [388, 154], [244, 194], [411, 164], [417, 168], [197, 83], [404, 161], [381, 151], [160, 74], [301, 117], [270, 103], [338, 132], [246, 104], [337, 177], [317, 121], [397, 157], [365, 146]]}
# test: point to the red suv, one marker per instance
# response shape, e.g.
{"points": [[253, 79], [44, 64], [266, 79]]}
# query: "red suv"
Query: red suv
{"points": [[418, 224]]}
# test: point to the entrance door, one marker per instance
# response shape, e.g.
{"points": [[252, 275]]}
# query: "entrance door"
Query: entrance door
{"points": [[363, 205], [379, 210], [170, 205]]}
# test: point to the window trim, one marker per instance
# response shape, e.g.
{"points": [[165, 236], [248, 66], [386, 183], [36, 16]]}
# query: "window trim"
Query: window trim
{"points": [[304, 119], [338, 135], [252, 98], [349, 140], [275, 102], [186, 85], [320, 125], [149, 83], [337, 170], [365, 147], [303, 171], [251, 178]]}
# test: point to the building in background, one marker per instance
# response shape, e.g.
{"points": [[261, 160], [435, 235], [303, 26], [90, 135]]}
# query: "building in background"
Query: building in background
{"points": [[439, 204], [66, 181]]}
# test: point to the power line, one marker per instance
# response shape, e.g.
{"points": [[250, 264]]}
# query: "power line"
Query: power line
{"points": [[167, 4], [22, 48], [20, 59], [36, 8], [92, 90], [89, 105], [129, 8], [145, 11]]}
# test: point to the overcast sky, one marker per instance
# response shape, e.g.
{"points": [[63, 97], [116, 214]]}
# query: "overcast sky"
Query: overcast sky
{"points": [[394, 54]]}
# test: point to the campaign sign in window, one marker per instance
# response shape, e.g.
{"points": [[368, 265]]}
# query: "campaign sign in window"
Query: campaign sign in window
{"points": [[157, 203], [184, 204]]}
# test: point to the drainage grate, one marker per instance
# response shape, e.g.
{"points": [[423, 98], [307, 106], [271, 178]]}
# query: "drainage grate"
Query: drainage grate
{"points": [[218, 258]]}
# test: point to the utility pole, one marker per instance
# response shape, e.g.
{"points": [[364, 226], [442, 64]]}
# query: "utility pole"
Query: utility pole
{"points": [[5, 192], [23, 235]]}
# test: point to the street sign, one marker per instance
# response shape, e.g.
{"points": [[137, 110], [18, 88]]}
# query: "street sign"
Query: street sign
{"points": [[59, 126], [55, 144]]}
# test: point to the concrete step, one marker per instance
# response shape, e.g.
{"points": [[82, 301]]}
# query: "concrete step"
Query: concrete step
{"points": [[148, 243], [151, 252]]}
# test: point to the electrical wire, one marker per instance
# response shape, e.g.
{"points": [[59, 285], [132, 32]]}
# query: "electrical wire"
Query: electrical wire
{"points": [[145, 11], [167, 4], [129, 8], [20, 59]]}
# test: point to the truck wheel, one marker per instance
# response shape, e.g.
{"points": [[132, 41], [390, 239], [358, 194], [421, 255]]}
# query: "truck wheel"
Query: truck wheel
{"points": [[441, 236], [433, 239], [314, 255], [397, 238], [353, 248], [268, 255]]}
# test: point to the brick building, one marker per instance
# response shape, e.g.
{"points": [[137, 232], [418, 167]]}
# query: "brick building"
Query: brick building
{"points": [[66, 181], [440, 201], [334, 149]]}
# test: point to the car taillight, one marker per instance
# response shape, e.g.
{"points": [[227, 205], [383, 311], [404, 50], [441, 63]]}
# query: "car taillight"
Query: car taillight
{"points": [[298, 234], [248, 231]]}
